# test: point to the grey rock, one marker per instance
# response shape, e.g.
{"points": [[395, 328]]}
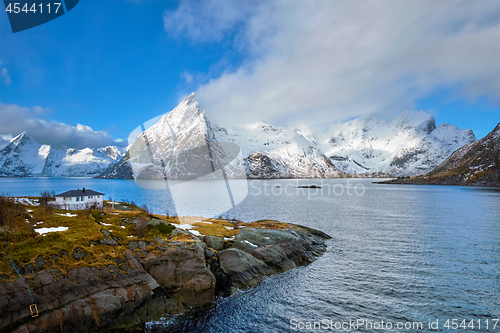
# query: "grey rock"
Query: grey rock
{"points": [[216, 243], [243, 269], [155, 222], [28, 269], [108, 241], [209, 254], [132, 246], [79, 253]]}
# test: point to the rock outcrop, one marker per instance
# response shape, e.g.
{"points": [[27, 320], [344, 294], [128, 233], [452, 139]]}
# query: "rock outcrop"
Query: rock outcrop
{"points": [[150, 280]]}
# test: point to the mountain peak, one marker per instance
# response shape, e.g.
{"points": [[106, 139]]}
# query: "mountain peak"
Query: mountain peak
{"points": [[185, 112], [419, 120], [22, 138], [496, 131]]}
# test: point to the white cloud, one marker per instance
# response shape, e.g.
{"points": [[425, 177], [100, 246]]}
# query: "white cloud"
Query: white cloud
{"points": [[4, 140], [318, 62], [6, 76], [15, 119], [205, 20]]}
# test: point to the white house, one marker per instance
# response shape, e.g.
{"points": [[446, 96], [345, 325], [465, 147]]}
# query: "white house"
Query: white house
{"points": [[79, 199]]}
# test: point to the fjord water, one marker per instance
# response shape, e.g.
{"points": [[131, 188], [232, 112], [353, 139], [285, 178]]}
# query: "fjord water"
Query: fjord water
{"points": [[399, 253]]}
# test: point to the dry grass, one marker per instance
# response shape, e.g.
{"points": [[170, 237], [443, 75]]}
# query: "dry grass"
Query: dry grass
{"points": [[84, 231]]}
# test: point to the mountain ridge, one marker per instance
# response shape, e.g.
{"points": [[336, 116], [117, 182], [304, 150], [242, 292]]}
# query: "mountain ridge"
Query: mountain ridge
{"points": [[23, 156], [406, 145], [475, 164], [186, 131]]}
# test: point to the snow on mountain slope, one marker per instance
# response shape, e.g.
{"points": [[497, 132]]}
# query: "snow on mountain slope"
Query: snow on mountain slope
{"points": [[183, 145], [167, 149], [112, 152], [21, 157], [24, 157], [77, 163], [476, 164], [275, 152], [176, 147], [409, 144]]}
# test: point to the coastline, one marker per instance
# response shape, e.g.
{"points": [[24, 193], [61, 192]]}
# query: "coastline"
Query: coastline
{"points": [[140, 280]]}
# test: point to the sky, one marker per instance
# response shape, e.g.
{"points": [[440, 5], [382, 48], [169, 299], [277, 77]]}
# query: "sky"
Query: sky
{"points": [[89, 77]]}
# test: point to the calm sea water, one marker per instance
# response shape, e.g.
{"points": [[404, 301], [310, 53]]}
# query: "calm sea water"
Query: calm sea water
{"points": [[399, 254]]}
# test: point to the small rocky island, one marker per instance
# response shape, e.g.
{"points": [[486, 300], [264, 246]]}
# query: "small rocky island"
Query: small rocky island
{"points": [[115, 269], [308, 186]]}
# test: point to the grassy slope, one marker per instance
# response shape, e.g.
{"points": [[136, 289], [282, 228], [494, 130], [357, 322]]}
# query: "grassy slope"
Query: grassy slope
{"points": [[87, 226]]}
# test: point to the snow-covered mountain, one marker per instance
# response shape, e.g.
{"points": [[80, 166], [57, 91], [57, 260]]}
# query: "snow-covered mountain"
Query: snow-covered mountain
{"points": [[181, 145], [185, 145], [409, 144], [276, 152], [476, 164], [24, 157]]}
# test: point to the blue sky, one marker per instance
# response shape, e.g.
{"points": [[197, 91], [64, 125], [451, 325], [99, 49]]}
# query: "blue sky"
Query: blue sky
{"points": [[111, 65]]}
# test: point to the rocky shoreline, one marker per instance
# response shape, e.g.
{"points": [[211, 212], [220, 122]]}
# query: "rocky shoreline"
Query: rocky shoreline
{"points": [[152, 280]]}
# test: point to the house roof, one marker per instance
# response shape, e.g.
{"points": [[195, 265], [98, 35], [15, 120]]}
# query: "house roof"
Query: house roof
{"points": [[78, 193]]}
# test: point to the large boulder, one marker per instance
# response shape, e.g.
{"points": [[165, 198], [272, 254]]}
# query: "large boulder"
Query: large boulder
{"points": [[242, 269], [214, 242], [182, 273]]}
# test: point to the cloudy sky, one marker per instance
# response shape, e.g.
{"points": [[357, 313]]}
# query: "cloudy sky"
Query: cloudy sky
{"points": [[91, 76]]}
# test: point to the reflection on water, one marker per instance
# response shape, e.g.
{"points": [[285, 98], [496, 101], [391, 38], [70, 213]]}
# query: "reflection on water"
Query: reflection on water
{"points": [[399, 253]]}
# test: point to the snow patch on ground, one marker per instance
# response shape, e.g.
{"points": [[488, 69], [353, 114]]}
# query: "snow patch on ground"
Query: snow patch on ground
{"points": [[195, 232], [252, 244], [43, 231], [185, 226], [188, 227], [27, 201], [68, 215]]}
